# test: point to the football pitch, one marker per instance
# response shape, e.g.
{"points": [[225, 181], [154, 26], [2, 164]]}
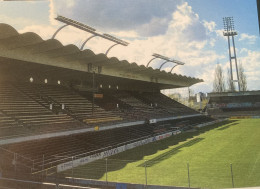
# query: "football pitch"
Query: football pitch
{"points": [[218, 156]]}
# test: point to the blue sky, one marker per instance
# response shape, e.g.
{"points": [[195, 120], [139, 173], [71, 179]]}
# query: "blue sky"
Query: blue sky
{"points": [[185, 30]]}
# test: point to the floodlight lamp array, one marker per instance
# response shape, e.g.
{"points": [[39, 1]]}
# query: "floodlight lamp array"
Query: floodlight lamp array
{"points": [[229, 28], [114, 39], [229, 33], [75, 24], [89, 29], [168, 59], [178, 62], [228, 24], [161, 57]]}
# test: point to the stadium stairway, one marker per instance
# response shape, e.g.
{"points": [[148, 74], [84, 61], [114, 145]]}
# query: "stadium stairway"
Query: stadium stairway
{"points": [[77, 105]]}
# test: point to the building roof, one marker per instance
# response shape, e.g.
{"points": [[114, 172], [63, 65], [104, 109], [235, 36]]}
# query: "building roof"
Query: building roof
{"points": [[28, 53]]}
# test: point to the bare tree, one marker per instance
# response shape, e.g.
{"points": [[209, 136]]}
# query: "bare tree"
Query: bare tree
{"points": [[230, 84], [218, 83], [242, 77]]}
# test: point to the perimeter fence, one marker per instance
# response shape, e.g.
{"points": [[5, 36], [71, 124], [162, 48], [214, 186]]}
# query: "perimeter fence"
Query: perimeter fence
{"points": [[159, 172]]}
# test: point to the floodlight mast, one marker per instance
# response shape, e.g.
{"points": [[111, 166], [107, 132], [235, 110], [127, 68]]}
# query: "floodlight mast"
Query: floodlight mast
{"points": [[68, 21], [75, 24], [173, 61], [161, 57], [177, 63], [229, 31], [155, 55], [163, 64], [84, 43], [114, 39], [89, 29], [150, 61], [57, 31], [111, 48], [105, 36], [173, 67]]}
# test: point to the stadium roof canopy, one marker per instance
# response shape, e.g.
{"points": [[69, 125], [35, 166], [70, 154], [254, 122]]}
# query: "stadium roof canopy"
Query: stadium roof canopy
{"points": [[27, 55]]}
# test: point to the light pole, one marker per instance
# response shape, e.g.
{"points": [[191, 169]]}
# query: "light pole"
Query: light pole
{"points": [[229, 31]]}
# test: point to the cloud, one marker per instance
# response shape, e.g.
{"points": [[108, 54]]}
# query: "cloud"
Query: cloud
{"points": [[156, 26], [69, 35], [187, 23], [177, 33], [243, 50], [175, 43], [52, 13], [17, 21], [251, 65], [212, 42], [248, 38], [220, 35], [210, 26], [58, 7], [146, 17], [130, 34], [44, 31], [161, 25]]}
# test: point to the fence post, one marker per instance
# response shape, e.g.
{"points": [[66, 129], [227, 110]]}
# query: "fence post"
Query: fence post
{"points": [[32, 169], [106, 170], [72, 171], [56, 176], [14, 162], [188, 168], [145, 173], [232, 177], [42, 166]]}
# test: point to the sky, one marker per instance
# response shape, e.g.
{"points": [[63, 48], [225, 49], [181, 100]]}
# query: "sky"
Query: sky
{"points": [[190, 31]]}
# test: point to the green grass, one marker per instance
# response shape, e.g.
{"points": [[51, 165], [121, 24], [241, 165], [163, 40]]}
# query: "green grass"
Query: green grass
{"points": [[209, 152]]}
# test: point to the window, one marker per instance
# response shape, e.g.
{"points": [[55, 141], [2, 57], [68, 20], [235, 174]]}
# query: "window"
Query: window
{"points": [[99, 69], [90, 67]]}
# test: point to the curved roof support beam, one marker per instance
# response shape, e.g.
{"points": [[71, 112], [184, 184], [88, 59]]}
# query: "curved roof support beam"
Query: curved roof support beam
{"points": [[111, 48], [173, 67], [150, 61], [59, 30], [83, 44], [176, 62], [89, 29], [163, 64]]}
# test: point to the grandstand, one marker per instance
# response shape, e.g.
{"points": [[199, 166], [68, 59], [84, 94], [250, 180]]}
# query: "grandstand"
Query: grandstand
{"points": [[236, 104], [59, 104]]}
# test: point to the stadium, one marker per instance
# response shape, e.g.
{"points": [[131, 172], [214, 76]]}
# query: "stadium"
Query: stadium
{"points": [[71, 118]]}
